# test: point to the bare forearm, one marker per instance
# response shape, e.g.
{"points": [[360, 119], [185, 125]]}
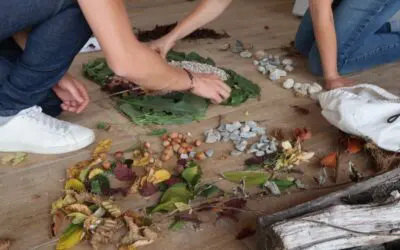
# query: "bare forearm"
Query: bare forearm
{"points": [[205, 12], [325, 34], [125, 54]]}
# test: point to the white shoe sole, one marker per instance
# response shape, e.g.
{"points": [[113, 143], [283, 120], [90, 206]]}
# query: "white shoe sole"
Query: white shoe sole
{"points": [[52, 150]]}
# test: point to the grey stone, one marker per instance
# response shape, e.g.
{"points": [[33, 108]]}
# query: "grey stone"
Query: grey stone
{"points": [[274, 75], [236, 153], [246, 54], [287, 61], [234, 137], [260, 153], [261, 69], [225, 138], [289, 68], [282, 73], [256, 62], [213, 137], [236, 132], [288, 83], [272, 187], [251, 124], [221, 128], [252, 150], [232, 127], [245, 128], [270, 67], [238, 47], [209, 152], [248, 135], [192, 154], [259, 131]]}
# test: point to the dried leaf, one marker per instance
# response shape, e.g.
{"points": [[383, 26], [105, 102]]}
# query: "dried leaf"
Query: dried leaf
{"points": [[286, 145], [182, 206], [323, 176], [58, 224], [76, 185], [354, 145], [103, 147], [278, 134], [142, 162], [78, 218], [237, 203], [13, 159], [112, 208], [123, 173], [251, 178], [71, 237], [302, 134], [300, 110], [159, 176], [306, 156], [95, 172], [81, 208], [330, 161], [5, 244], [148, 189], [354, 174], [245, 233]]}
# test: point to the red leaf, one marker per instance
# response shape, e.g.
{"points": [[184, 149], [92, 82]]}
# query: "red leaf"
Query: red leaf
{"points": [[173, 180], [302, 134], [354, 145], [245, 232], [330, 161], [123, 173], [148, 189]]}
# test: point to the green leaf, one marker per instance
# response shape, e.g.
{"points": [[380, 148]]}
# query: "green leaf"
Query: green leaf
{"points": [[176, 193], [95, 187], [192, 175], [177, 225], [103, 126], [254, 167], [176, 56], [159, 132], [83, 174], [97, 71], [251, 178], [209, 191], [78, 218], [71, 237], [283, 184]]}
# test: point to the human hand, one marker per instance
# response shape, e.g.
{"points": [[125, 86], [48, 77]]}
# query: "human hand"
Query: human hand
{"points": [[210, 87], [73, 94], [338, 82], [162, 46]]}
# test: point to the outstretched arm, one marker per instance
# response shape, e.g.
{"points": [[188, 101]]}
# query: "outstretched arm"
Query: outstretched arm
{"points": [[205, 12], [131, 59]]}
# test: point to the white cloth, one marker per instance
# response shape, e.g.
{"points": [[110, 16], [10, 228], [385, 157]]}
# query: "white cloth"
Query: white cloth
{"points": [[363, 110]]}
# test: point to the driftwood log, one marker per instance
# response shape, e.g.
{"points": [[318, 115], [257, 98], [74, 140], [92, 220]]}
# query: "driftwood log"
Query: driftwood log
{"points": [[353, 217]]}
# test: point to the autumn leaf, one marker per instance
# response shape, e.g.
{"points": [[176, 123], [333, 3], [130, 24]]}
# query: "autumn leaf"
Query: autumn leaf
{"points": [[79, 208], [330, 161], [103, 147], [245, 233], [159, 176], [354, 145], [71, 237], [148, 189], [278, 134], [95, 172], [74, 184], [123, 173], [302, 134], [300, 110], [58, 224]]}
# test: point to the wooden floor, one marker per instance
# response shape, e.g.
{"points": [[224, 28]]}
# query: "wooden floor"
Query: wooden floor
{"points": [[27, 191]]}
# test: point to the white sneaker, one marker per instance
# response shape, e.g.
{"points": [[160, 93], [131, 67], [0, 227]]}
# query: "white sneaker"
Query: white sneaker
{"points": [[32, 131]]}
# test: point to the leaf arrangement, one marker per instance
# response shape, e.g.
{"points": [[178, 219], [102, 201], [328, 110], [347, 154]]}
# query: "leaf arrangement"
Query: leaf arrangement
{"points": [[171, 108]]}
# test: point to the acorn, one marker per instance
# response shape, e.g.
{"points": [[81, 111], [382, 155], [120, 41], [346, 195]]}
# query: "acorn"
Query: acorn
{"points": [[197, 143], [182, 150], [201, 156], [185, 145], [146, 154], [147, 145], [189, 148]]}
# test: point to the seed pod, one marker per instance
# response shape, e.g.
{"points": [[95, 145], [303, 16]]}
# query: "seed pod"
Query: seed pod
{"points": [[189, 148], [166, 143], [174, 135], [197, 143], [177, 140], [164, 137], [185, 145], [147, 145], [182, 150], [176, 147]]}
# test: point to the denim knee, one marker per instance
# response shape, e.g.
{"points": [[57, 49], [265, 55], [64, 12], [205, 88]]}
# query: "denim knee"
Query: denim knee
{"points": [[314, 61]]}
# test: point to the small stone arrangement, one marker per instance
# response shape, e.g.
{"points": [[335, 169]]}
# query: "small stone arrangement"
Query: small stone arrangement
{"points": [[302, 89], [197, 67], [240, 133], [272, 65]]}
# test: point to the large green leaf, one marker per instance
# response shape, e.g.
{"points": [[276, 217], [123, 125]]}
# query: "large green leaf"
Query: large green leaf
{"points": [[192, 175], [176, 193], [283, 184], [250, 177]]}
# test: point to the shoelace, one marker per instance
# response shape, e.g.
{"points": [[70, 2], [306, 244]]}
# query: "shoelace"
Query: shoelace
{"points": [[35, 113]]}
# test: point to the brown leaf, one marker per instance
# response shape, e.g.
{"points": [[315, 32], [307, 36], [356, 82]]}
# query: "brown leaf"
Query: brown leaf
{"points": [[330, 161], [354, 145], [245, 232], [123, 173], [59, 221], [278, 134], [5, 244], [148, 189], [237, 203], [255, 160], [302, 134], [190, 217], [300, 110]]}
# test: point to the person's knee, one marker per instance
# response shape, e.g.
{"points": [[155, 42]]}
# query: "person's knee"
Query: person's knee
{"points": [[300, 44], [314, 62]]}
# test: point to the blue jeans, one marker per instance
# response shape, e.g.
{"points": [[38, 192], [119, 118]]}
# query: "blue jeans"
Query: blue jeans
{"points": [[58, 32], [363, 36]]}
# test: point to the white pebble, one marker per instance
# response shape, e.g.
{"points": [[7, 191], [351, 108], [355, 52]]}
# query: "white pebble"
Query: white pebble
{"points": [[314, 88], [256, 63], [297, 85], [260, 54], [287, 61], [289, 68], [282, 73], [261, 69], [288, 84], [246, 54], [274, 75]]}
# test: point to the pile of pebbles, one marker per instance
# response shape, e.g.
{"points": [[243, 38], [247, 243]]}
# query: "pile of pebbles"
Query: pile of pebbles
{"points": [[272, 65], [197, 67], [302, 89], [240, 133]]}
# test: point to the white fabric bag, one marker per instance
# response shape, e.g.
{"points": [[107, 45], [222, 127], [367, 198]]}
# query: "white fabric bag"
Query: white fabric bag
{"points": [[363, 110]]}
